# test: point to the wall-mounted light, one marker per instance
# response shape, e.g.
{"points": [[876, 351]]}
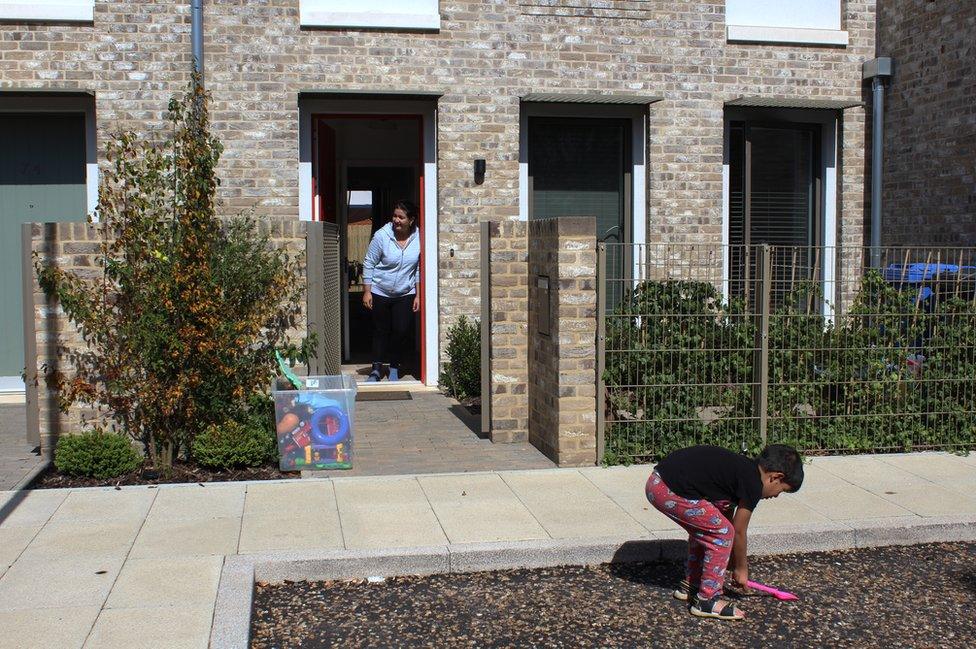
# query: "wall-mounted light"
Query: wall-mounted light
{"points": [[479, 171]]}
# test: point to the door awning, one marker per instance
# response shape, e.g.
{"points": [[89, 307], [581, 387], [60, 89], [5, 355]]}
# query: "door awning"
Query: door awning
{"points": [[348, 93], [590, 98], [795, 102]]}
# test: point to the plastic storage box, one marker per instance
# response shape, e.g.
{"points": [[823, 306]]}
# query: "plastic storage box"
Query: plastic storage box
{"points": [[315, 423]]}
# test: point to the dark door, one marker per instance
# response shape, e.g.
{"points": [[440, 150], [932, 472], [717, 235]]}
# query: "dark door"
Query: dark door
{"points": [[42, 178]]}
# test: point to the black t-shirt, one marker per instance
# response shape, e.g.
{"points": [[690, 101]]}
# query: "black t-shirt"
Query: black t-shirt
{"points": [[712, 473]]}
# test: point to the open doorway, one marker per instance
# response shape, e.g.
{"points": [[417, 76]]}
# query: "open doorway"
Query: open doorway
{"points": [[362, 165]]}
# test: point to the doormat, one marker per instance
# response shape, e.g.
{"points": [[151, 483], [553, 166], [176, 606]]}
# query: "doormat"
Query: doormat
{"points": [[393, 395]]}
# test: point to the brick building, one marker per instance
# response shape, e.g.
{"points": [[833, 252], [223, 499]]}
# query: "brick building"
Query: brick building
{"points": [[647, 115], [930, 122]]}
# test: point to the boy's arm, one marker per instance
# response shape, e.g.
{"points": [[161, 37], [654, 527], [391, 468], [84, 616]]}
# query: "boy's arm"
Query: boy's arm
{"points": [[740, 561]]}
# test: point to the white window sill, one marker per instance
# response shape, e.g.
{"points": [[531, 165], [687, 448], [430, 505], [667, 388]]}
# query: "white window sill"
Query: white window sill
{"points": [[753, 34], [73, 12], [313, 18]]}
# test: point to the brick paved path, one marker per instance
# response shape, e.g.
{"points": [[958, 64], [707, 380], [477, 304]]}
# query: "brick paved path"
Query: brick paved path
{"points": [[16, 456], [428, 434]]}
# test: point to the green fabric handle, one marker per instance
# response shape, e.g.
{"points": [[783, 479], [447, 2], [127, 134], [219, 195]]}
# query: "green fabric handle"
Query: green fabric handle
{"points": [[294, 380]]}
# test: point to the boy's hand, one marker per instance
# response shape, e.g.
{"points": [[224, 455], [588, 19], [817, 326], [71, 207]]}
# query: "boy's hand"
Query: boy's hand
{"points": [[740, 576]]}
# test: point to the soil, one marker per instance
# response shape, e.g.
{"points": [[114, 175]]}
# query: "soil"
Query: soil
{"points": [[919, 596], [51, 478]]}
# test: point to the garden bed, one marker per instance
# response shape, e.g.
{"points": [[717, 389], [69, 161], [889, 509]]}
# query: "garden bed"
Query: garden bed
{"points": [[51, 478], [910, 596]]}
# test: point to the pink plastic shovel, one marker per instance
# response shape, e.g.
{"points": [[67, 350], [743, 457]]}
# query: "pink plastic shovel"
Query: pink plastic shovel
{"points": [[778, 594]]}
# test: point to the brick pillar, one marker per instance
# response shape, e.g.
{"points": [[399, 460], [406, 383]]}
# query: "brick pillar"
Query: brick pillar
{"points": [[562, 339]]}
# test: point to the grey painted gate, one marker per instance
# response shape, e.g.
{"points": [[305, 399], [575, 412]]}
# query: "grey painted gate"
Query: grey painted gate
{"points": [[324, 297]]}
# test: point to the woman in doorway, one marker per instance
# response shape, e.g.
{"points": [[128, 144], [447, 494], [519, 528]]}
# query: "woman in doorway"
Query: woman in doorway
{"points": [[391, 275]]}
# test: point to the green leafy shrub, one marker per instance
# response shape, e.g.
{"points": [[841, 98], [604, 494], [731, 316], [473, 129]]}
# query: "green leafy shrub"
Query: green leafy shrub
{"points": [[678, 361], [182, 321], [233, 445], [892, 374], [461, 376], [96, 454]]}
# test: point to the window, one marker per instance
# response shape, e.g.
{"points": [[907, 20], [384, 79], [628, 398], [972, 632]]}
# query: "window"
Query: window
{"points": [[372, 14], [774, 198], [811, 22], [48, 10]]}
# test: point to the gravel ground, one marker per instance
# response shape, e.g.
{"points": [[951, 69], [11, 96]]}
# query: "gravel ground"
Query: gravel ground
{"points": [[916, 596]]}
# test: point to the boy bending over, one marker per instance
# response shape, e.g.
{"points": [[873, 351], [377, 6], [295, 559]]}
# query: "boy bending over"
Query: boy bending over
{"points": [[699, 488]]}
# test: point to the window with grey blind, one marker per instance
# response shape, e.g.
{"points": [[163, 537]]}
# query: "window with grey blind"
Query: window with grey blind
{"points": [[774, 196], [579, 167]]}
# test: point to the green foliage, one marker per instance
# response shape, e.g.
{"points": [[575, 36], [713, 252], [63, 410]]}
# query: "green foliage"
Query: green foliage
{"points": [[461, 376], [181, 324], [96, 454], [893, 374], [234, 444]]}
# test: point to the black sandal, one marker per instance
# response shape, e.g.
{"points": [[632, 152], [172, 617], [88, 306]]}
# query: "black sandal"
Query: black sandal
{"points": [[684, 592], [706, 608]]}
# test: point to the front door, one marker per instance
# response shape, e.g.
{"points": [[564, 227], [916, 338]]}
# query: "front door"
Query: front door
{"points": [[364, 165], [42, 178]]}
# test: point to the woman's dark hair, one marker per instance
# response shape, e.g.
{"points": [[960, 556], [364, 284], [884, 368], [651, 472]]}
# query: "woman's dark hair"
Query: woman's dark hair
{"points": [[783, 459], [410, 209]]}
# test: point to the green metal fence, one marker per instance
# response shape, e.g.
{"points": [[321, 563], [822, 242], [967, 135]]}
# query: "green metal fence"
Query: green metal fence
{"points": [[742, 346]]}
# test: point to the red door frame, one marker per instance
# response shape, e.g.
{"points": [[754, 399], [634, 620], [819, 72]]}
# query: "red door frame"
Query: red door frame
{"points": [[316, 195]]}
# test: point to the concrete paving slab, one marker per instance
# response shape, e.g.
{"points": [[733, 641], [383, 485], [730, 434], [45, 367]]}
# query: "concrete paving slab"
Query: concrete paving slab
{"points": [[29, 508], [869, 472], [165, 583], [851, 503], [174, 538], [13, 540], [386, 512], [932, 501], [941, 468], [625, 486], [314, 529], [481, 507], [784, 510], [101, 505], [285, 499], [193, 502], [160, 628], [570, 506], [78, 539], [911, 530], [63, 628], [58, 583]]}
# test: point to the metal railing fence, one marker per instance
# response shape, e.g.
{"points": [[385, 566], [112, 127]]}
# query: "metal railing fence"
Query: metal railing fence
{"points": [[743, 346]]}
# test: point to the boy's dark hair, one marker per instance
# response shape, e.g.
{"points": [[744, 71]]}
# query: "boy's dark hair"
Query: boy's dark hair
{"points": [[785, 460]]}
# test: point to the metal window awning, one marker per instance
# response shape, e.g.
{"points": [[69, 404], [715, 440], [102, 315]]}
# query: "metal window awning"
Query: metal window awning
{"points": [[590, 98], [353, 93], [46, 92], [795, 102]]}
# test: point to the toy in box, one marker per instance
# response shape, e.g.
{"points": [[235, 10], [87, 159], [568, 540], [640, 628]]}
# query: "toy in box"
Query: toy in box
{"points": [[314, 421]]}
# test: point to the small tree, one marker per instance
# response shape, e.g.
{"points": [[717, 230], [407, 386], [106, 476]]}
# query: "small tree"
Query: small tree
{"points": [[181, 325]]}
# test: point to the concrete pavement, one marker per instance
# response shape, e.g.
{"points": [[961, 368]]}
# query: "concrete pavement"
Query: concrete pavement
{"points": [[115, 567]]}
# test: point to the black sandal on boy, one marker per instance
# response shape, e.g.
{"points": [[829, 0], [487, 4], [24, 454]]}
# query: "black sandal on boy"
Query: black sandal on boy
{"points": [[706, 608], [684, 592]]}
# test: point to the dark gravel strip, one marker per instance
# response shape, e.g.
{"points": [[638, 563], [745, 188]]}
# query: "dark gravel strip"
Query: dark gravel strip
{"points": [[913, 596]]}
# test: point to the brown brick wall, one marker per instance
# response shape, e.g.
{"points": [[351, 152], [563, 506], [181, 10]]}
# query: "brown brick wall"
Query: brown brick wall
{"points": [[75, 247], [508, 367], [930, 122], [486, 55]]}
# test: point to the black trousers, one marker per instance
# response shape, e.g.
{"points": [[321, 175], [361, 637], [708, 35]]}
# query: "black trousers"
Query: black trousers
{"points": [[392, 320]]}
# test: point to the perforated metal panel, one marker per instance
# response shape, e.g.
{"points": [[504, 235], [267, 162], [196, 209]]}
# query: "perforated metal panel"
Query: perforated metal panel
{"points": [[324, 297]]}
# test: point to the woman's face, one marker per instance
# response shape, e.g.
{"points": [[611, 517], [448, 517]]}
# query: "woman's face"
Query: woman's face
{"points": [[401, 222]]}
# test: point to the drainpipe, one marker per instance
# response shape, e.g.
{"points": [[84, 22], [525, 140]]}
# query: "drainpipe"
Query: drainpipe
{"points": [[879, 71], [196, 9]]}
